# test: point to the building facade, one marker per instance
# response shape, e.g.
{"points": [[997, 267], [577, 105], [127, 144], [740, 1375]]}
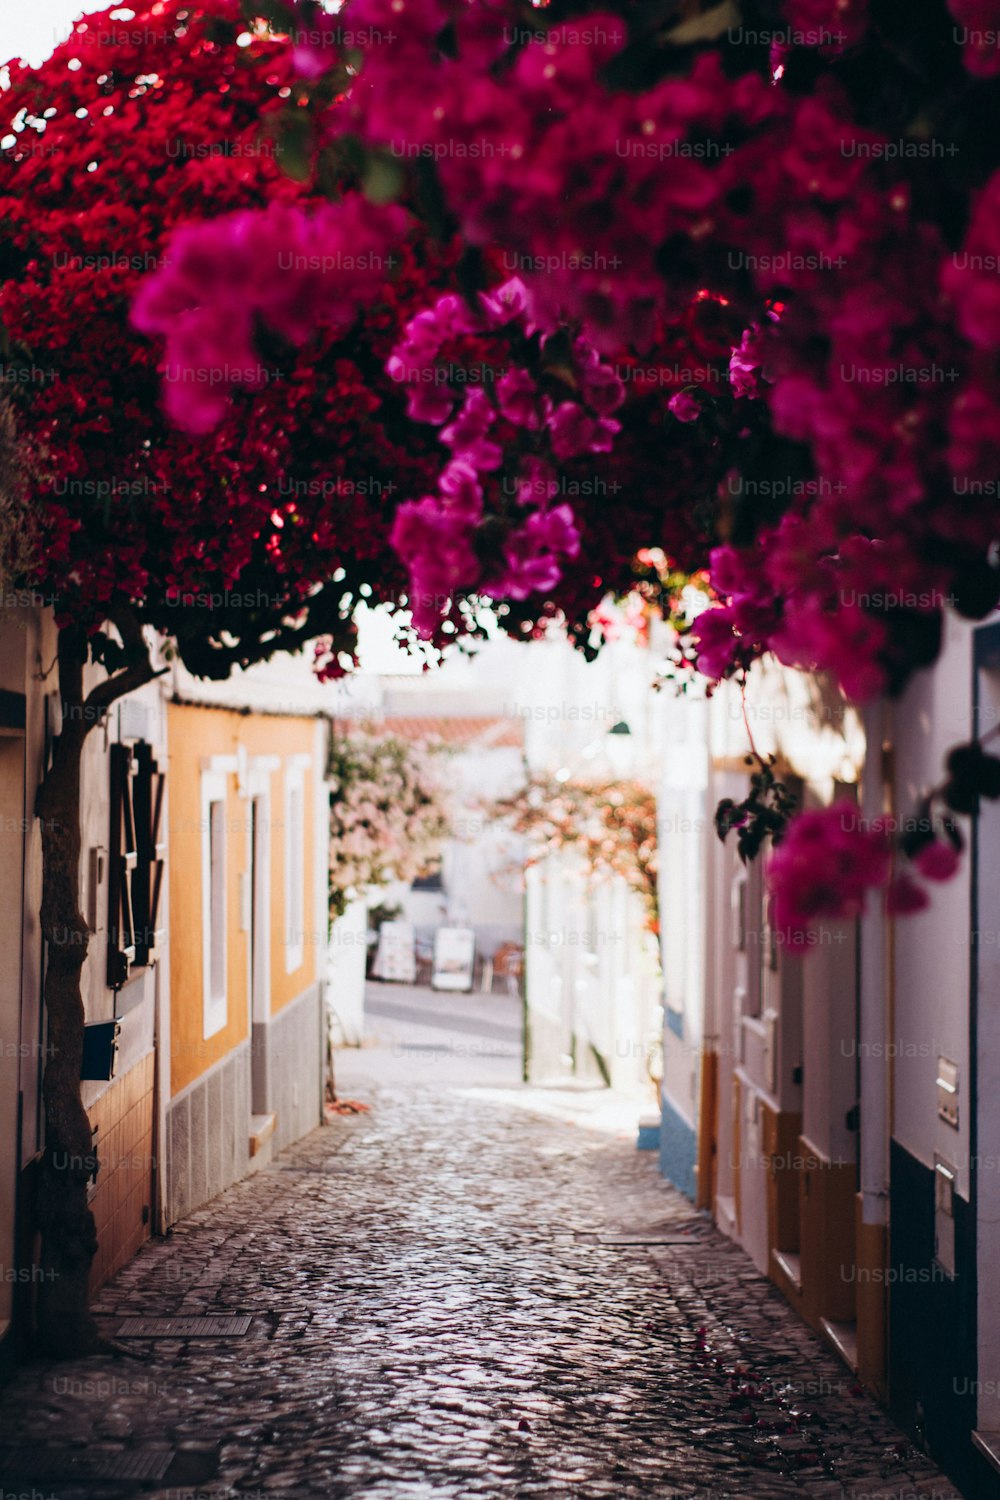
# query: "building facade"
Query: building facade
{"points": [[835, 1113], [125, 973], [204, 815], [244, 1049]]}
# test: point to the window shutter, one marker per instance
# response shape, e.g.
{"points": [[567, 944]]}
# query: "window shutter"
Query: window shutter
{"points": [[146, 885], [123, 858]]}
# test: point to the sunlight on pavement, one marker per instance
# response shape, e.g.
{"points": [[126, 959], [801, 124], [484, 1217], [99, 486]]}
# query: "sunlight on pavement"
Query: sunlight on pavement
{"points": [[589, 1108]]}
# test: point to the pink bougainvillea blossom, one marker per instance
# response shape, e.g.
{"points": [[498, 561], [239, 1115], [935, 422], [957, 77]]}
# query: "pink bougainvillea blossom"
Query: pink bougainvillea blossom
{"points": [[905, 896], [823, 869], [291, 269], [829, 25], [978, 32], [491, 527], [685, 406], [937, 860], [534, 553]]}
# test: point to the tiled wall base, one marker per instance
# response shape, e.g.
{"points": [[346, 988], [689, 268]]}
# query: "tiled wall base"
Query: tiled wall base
{"points": [[208, 1135], [678, 1148], [209, 1124], [294, 1068], [121, 1200]]}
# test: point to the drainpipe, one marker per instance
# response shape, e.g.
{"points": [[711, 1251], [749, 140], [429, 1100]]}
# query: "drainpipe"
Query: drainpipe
{"points": [[163, 1167], [875, 1027]]}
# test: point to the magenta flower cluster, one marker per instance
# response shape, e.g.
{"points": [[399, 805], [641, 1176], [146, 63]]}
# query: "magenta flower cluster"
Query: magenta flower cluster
{"points": [[286, 269], [829, 861], [871, 341], [824, 868], [492, 527], [868, 291]]}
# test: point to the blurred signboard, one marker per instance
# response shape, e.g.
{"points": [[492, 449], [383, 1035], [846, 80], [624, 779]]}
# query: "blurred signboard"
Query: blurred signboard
{"points": [[395, 958], [454, 958]]}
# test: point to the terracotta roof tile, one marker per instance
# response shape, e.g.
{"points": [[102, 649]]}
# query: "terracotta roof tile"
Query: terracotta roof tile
{"points": [[485, 733]]}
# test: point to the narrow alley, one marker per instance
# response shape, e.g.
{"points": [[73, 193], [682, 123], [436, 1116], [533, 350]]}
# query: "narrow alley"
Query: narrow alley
{"points": [[473, 1289]]}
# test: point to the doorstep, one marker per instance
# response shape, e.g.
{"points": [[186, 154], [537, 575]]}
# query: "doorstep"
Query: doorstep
{"points": [[725, 1215], [844, 1338], [261, 1130], [788, 1266], [988, 1444]]}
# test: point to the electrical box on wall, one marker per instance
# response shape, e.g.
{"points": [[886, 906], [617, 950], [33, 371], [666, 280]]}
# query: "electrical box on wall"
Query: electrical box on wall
{"points": [[947, 1091], [751, 1116], [739, 1033], [944, 1214], [100, 1050], [771, 1019]]}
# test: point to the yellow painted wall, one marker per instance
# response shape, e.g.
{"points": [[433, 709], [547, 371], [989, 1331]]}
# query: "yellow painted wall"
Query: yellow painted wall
{"points": [[193, 735]]}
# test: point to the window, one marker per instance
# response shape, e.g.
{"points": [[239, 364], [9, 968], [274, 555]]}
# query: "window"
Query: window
{"points": [[295, 862], [213, 900]]}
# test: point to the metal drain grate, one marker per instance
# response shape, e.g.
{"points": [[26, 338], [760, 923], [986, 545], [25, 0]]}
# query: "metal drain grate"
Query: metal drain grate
{"points": [[654, 1234], [320, 1171], [84, 1463], [183, 1328], [616, 1240]]}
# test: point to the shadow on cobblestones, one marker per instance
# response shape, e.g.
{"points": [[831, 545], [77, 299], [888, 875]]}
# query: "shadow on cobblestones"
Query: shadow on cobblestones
{"points": [[455, 1295]]}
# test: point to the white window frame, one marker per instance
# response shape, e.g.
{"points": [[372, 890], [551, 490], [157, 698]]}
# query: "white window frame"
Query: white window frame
{"points": [[258, 789], [295, 860], [214, 884]]}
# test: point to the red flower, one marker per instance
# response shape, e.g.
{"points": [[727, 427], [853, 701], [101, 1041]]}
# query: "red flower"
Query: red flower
{"points": [[937, 861], [905, 896], [823, 868]]}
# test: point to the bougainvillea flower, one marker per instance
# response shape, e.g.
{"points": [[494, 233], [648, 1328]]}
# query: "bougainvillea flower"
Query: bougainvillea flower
{"points": [[823, 869]]}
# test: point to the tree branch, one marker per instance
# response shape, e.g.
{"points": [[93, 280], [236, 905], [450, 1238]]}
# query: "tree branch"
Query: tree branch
{"points": [[136, 675], [112, 688]]}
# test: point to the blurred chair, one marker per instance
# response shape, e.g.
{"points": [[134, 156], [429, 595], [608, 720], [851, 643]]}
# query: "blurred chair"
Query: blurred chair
{"points": [[508, 963]]}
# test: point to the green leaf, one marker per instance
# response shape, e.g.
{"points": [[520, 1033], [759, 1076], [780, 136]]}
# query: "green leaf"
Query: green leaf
{"points": [[295, 145], [558, 350], [724, 815], [382, 179], [707, 27]]}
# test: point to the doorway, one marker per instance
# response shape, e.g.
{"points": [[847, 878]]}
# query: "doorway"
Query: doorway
{"points": [[12, 1043], [984, 1053], [258, 927]]}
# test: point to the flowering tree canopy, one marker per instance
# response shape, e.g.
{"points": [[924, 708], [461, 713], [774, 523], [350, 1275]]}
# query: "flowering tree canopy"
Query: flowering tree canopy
{"points": [[627, 164], [820, 172], [850, 225], [145, 189], [323, 214], [611, 825], [262, 534], [389, 813]]}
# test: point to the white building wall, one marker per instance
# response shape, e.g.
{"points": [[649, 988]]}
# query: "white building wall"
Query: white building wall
{"points": [[932, 948], [593, 977], [345, 975], [830, 1043], [141, 1002], [684, 828], [481, 867]]}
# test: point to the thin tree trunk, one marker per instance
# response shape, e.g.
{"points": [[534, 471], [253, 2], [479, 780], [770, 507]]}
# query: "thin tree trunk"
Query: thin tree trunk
{"points": [[69, 1240]]}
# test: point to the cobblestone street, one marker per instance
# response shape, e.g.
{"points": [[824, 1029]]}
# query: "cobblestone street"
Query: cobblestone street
{"points": [[476, 1289]]}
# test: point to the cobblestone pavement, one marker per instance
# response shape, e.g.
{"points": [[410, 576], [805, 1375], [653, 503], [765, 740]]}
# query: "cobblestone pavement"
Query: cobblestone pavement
{"points": [[450, 1297]]}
